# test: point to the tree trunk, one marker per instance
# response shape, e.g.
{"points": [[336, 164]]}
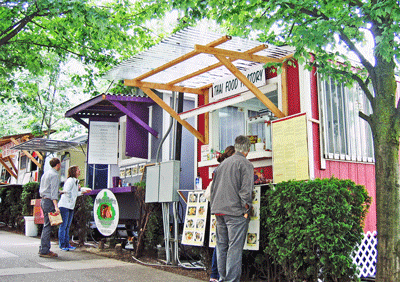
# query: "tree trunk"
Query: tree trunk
{"points": [[385, 129]]}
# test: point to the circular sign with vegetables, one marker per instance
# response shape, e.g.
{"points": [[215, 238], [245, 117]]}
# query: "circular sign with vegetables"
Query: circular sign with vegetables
{"points": [[106, 212]]}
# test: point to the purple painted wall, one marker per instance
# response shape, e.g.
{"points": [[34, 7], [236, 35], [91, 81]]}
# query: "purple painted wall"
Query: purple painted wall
{"points": [[136, 136]]}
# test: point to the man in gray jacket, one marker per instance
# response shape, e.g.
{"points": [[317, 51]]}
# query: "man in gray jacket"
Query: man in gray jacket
{"points": [[231, 198], [48, 191]]}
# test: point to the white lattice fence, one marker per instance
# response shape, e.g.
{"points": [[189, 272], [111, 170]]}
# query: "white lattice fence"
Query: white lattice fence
{"points": [[366, 255]]}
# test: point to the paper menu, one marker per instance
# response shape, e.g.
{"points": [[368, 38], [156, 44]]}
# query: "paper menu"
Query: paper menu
{"points": [[195, 219]]}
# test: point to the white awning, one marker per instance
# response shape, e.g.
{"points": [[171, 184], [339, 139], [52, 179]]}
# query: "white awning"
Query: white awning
{"points": [[182, 43]]}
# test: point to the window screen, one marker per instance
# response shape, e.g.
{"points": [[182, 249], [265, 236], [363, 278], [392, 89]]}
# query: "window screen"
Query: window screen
{"points": [[231, 124], [345, 135]]}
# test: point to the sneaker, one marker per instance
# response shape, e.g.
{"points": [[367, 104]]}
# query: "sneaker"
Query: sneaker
{"points": [[48, 255], [65, 249], [213, 280], [70, 248]]}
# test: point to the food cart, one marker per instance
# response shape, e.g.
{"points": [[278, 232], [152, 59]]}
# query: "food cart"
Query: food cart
{"points": [[303, 126]]}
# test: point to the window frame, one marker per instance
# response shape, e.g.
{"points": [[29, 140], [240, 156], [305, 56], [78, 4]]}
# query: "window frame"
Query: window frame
{"points": [[358, 141], [214, 119]]}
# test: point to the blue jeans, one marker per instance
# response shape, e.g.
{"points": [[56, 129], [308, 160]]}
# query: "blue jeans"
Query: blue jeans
{"points": [[47, 206], [214, 265], [231, 236], [63, 231]]}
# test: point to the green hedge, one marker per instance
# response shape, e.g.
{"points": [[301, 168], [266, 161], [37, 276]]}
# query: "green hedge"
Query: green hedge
{"points": [[82, 215], [30, 191], [313, 227], [16, 202]]}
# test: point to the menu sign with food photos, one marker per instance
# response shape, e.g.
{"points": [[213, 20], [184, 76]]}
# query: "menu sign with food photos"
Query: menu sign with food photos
{"points": [[212, 241], [253, 233], [195, 219]]}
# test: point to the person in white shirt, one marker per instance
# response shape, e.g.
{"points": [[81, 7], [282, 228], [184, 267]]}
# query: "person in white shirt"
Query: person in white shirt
{"points": [[70, 192]]}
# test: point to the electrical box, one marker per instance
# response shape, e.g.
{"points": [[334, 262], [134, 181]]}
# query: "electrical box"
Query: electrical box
{"points": [[152, 183], [162, 182]]}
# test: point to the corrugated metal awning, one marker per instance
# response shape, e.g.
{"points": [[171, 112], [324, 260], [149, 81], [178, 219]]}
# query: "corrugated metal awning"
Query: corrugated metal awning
{"points": [[182, 43], [46, 145]]}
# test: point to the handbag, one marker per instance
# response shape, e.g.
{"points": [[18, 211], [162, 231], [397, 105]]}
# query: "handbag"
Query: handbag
{"points": [[55, 218], [207, 193]]}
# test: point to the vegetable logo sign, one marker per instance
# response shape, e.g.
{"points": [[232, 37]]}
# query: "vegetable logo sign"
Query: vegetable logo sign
{"points": [[106, 212]]}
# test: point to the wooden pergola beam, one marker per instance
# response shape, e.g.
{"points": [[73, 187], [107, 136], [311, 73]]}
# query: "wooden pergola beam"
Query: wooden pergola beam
{"points": [[8, 169], [161, 86], [235, 55], [217, 65], [226, 57], [27, 154], [174, 114], [267, 102], [12, 164], [182, 58]]}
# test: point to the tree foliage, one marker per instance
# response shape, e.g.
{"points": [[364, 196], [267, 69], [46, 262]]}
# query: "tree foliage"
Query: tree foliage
{"points": [[39, 38], [98, 33]]}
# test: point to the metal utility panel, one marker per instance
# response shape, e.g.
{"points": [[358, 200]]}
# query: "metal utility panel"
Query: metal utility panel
{"points": [[152, 183], [162, 182], [169, 181]]}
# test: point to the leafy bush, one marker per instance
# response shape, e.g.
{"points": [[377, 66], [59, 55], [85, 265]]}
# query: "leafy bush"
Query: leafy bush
{"points": [[10, 207], [145, 212], [29, 191], [82, 216], [313, 227], [155, 231]]}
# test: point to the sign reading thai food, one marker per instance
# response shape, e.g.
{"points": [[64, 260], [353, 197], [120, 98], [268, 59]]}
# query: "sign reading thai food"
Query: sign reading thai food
{"points": [[195, 220], [106, 212], [232, 85]]}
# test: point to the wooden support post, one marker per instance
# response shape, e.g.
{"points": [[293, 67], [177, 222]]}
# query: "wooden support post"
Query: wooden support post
{"points": [[174, 114], [267, 102], [8, 169], [12, 164]]}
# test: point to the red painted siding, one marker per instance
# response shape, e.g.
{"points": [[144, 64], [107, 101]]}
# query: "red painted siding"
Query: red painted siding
{"points": [[293, 90], [203, 171], [360, 173]]}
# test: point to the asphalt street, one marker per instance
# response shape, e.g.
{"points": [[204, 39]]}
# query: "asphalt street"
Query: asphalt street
{"points": [[19, 261]]}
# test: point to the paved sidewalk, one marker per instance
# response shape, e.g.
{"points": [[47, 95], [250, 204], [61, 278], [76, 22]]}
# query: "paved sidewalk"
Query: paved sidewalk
{"points": [[19, 261]]}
